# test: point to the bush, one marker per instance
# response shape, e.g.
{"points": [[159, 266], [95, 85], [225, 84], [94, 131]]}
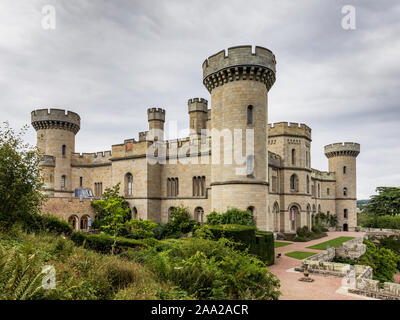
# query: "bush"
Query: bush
{"points": [[46, 223], [211, 270], [231, 216], [237, 233], [180, 223], [103, 243], [384, 222], [264, 247], [304, 234]]}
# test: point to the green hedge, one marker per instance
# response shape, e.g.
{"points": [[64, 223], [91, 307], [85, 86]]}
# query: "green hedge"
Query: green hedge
{"points": [[102, 242], [264, 247], [384, 222], [47, 223], [259, 243]]}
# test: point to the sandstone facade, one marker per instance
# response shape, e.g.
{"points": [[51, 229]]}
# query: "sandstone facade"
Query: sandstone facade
{"points": [[276, 182]]}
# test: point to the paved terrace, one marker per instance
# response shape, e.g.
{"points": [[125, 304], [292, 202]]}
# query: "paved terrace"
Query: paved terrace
{"points": [[323, 287]]}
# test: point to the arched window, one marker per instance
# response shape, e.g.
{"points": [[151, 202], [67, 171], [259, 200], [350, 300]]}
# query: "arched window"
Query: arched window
{"points": [[250, 165], [344, 170], [294, 183], [250, 114], [172, 187], [134, 213], [314, 210], [251, 210], [276, 217], [307, 159], [63, 181], [128, 184], [64, 150], [327, 191], [345, 191], [84, 223], [309, 222], [319, 190], [199, 214], [170, 210], [319, 208], [308, 184], [345, 214], [293, 156], [73, 221]]}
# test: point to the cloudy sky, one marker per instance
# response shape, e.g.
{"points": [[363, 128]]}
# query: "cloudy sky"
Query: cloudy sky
{"points": [[111, 60]]}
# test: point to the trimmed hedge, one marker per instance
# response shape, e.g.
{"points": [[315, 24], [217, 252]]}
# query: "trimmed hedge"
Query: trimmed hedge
{"points": [[103, 243], [259, 243], [47, 223]]}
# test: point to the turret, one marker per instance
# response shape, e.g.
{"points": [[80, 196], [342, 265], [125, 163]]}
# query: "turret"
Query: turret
{"points": [[156, 118], [239, 83], [198, 112], [56, 130], [342, 161]]}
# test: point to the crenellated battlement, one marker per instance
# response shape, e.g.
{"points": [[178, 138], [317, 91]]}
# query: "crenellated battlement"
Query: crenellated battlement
{"points": [[156, 114], [289, 129], [239, 64], [274, 159], [198, 104], [322, 175], [42, 119], [92, 158], [47, 161], [350, 149]]}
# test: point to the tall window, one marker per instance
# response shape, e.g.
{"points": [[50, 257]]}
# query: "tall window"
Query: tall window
{"points": [[345, 213], [64, 150], [250, 165], [327, 191], [344, 170], [294, 183], [250, 114], [98, 189], [129, 184], [63, 181], [80, 181], [345, 191], [172, 187], [170, 210], [274, 184], [319, 190], [199, 214], [134, 213], [293, 156], [308, 184], [199, 186], [306, 158]]}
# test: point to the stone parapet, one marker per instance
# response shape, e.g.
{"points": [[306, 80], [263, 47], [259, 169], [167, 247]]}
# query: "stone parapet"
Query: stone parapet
{"points": [[239, 64], [55, 119], [291, 129], [342, 149]]}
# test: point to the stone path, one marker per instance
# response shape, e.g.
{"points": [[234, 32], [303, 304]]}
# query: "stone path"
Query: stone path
{"points": [[323, 288]]}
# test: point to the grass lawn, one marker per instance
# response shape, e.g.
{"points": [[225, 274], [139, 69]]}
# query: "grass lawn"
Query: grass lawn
{"points": [[278, 244], [332, 243], [299, 254]]}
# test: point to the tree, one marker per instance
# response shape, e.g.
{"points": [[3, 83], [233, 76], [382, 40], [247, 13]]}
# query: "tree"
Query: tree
{"points": [[386, 202], [20, 180], [181, 222], [113, 212]]}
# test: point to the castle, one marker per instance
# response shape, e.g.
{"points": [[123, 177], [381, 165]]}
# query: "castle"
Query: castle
{"points": [[276, 182]]}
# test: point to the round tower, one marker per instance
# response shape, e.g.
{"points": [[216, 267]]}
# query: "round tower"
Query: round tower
{"points": [[342, 161], [56, 130], [239, 83], [156, 119], [198, 112]]}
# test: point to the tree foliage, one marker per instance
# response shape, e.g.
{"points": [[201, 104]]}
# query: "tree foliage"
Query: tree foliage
{"points": [[386, 202], [231, 216], [20, 181], [180, 223]]}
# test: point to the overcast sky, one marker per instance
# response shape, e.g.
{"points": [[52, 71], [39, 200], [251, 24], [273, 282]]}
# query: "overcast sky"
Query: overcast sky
{"points": [[111, 60]]}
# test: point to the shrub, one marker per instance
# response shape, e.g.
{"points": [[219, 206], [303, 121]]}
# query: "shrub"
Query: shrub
{"points": [[264, 247], [211, 270], [103, 243], [231, 216], [180, 223], [237, 233], [384, 222], [304, 234]]}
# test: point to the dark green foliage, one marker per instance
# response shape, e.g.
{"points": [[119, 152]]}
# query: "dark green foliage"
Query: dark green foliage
{"points": [[304, 234], [264, 247], [103, 243], [20, 181], [50, 223], [386, 202], [231, 216], [384, 222], [237, 233], [180, 223], [210, 269]]}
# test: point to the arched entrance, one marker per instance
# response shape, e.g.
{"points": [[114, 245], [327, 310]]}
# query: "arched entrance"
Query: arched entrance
{"points": [[170, 210], [345, 227], [73, 221], [134, 213], [295, 218]]}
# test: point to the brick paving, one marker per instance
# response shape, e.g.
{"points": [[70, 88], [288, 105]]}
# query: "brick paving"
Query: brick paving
{"points": [[323, 287]]}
